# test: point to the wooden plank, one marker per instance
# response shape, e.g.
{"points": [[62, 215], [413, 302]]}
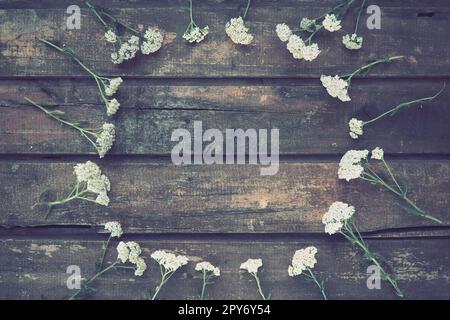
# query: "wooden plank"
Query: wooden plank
{"points": [[310, 122], [404, 32], [160, 197], [36, 269]]}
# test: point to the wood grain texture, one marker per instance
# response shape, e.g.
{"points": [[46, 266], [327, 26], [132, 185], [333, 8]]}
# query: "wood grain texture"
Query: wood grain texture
{"points": [[403, 32], [310, 122], [160, 197], [37, 269]]}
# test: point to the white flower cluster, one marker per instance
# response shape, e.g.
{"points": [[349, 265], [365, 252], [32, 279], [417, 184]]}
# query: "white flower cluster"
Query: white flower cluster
{"points": [[352, 42], [96, 182], [110, 36], [331, 23], [195, 34], [153, 40], [377, 154], [350, 166], [115, 228], [299, 50], [308, 24], [131, 251], [112, 85], [356, 128], [336, 87], [127, 50], [302, 259], [106, 139], [283, 32], [336, 216], [252, 265], [169, 261], [238, 32], [206, 266]]}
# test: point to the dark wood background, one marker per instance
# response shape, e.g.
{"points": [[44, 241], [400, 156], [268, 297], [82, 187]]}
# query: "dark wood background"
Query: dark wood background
{"points": [[223, 213]]}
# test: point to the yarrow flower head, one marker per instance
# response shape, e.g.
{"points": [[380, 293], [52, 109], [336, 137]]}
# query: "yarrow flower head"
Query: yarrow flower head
{"points": [[310, 52], [283, 32], [94, 182], [331, 23], [356, 128], [377, 154], [112, 85], [302, 259], [106, 139], [111, 36], [295, 46], [130, 252], [86, 171], [336, 87], [238, 32], [308, 24], [336, 216], [169, 261], [350, 166], [252, 265], [206, 266], [115, 228], [352, 42], [153, 40], [196, 34]]}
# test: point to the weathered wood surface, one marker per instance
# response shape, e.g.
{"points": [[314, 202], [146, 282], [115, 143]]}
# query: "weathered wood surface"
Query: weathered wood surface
{"points": [[36, 269], [404, 32], [310, 122], [157, 197]]}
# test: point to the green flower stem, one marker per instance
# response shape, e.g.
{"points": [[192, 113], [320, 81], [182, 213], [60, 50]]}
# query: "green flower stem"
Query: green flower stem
{"points": [[359, 15], [258, 283], [165, 276], [345, 3], [202, 296], [113, 265], [246, 10], [317, 282], [397, 108], [94, 10], [84, 132], [348, 232], [105, 247], [370, 65]]}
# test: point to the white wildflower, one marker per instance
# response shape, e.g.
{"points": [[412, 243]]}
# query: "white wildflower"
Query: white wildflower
{"points": [[115, 228], [128, 49], [283, 32], [308, 24], [356, 128], [110, 36], [331, 23], [86, 171], [310, 52], [350, 166], [99, 184], [336, 87], [208, 267], [106, 139], [153, 40], [238, 32], [168, 260], [112, 106], [123, 252], [135, 251], [302, 259], [102, 199], [352, 42], [252, 265], [116, 58], [336, 216], [295, 46], [112, 86], [195, 34], [141, 266], [377, 154]]}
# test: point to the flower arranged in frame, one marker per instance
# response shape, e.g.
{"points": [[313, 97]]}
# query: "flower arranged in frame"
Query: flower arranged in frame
{"points": [[193, 33], [148, 41], [102, 138], [107, 86], [128, 257], [208, 272], [91, 185], [252, 266], [356, 126], [236, 29], [338, 219], [303, 262], [355, 164], [353, 41], [337, 86], [307, 49], [169, 263]]}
